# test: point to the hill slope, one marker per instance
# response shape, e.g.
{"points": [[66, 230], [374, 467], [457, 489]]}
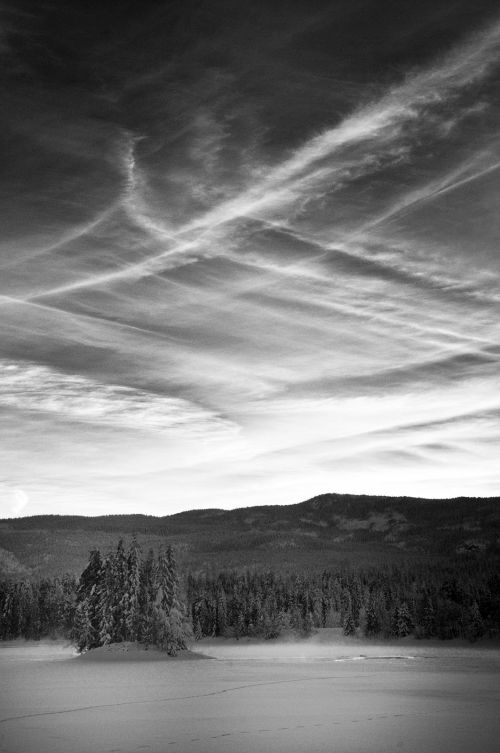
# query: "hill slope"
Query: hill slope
{"points": [[318, 533]]}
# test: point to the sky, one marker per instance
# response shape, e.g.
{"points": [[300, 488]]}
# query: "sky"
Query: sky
{"points": [[249, 252]]}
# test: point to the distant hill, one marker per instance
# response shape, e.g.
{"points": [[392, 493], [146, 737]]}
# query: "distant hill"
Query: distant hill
{"points": [[319, 533]]}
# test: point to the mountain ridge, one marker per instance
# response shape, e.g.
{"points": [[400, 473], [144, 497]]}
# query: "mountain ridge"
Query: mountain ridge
{"points": [[319, 532]]}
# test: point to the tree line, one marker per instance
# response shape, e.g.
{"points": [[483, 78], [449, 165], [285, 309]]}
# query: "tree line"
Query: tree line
{"points": [[457, 600], [127, 597]]}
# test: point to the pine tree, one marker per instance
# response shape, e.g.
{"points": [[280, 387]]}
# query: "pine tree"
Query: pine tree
{"points": [[372, 618], [170, 628], [121, 595], [105, 609], [83, 633], [30, 611], [474, 625], [427, 624], [198, 633], [7, 612], [179, 627], [147, 595], [133, 592], [402, 623], [348, 623], [221, 607], [90, 575], [88, 591]]}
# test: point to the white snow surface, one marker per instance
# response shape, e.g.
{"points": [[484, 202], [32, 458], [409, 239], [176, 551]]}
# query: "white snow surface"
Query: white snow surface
{"points": [[312, 696]]}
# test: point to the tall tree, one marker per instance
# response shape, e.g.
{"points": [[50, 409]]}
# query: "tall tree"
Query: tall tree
{"points": [[133, 592]]}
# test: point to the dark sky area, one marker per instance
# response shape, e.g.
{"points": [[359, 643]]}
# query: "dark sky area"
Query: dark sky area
{"points": [[248, 252]]}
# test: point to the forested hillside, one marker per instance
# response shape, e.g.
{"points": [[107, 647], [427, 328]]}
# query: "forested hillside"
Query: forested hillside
{"points": [[323, 532]]}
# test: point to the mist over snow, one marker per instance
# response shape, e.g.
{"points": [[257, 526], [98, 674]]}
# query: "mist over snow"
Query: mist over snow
{"points": [[249, 253]]}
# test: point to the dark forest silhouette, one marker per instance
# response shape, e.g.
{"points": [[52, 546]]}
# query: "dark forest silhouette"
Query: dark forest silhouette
{"points": [[460, 600]]}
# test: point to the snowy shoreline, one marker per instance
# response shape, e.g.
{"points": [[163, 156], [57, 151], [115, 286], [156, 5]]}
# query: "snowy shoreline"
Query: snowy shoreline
{"points": [[326, 644]]}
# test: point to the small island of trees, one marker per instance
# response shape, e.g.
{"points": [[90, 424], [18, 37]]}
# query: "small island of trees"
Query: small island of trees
{"points": [[119, 597], [124, 597]]}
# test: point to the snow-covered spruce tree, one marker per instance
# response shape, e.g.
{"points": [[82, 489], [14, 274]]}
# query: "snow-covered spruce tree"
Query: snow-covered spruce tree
{"points": [[178, 594], [106, 603], [147, 594], [132, 595], [83, 633], [402, 622], [348, 624], [179, 623], [221, 606], [198, 633], [170, 625], [30, 610], [373, 621], [88, 593], [121, 583]]}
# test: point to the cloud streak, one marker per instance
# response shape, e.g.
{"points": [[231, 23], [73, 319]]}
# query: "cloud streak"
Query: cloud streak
{"points": [[30, 387]]}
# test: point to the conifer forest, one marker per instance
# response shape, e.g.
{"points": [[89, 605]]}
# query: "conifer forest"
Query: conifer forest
{"points": [[120, 597], [125, 596]]}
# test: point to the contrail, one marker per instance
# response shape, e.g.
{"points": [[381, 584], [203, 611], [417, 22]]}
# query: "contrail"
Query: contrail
{"points": [[79, 232], [6, 300], [381, 123], [423, 195]]}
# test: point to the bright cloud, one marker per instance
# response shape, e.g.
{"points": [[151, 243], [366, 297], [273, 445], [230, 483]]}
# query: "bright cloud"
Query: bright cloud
{"points": [[31, 387]]}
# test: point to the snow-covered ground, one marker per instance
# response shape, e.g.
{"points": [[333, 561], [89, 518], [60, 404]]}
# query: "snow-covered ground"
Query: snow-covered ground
{"points": [[319, 695]]}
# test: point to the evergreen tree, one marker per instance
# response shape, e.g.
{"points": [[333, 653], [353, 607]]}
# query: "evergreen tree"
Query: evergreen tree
{"points": [[7, 608], [348, 624], [83, 633], [179, 625], [170, 631], [474, 624], [221, 606], [88, 592], [402, 623], [372, 620], [147, 595], [198, 634], [427, 622], [121, 595], [106, 598], [133, 593]]}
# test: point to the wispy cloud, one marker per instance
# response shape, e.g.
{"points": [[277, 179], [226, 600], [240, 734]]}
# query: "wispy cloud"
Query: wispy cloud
{"points": [[30, 387]]}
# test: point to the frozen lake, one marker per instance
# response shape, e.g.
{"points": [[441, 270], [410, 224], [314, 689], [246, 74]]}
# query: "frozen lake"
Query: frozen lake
{"points": [[252, 698]]}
